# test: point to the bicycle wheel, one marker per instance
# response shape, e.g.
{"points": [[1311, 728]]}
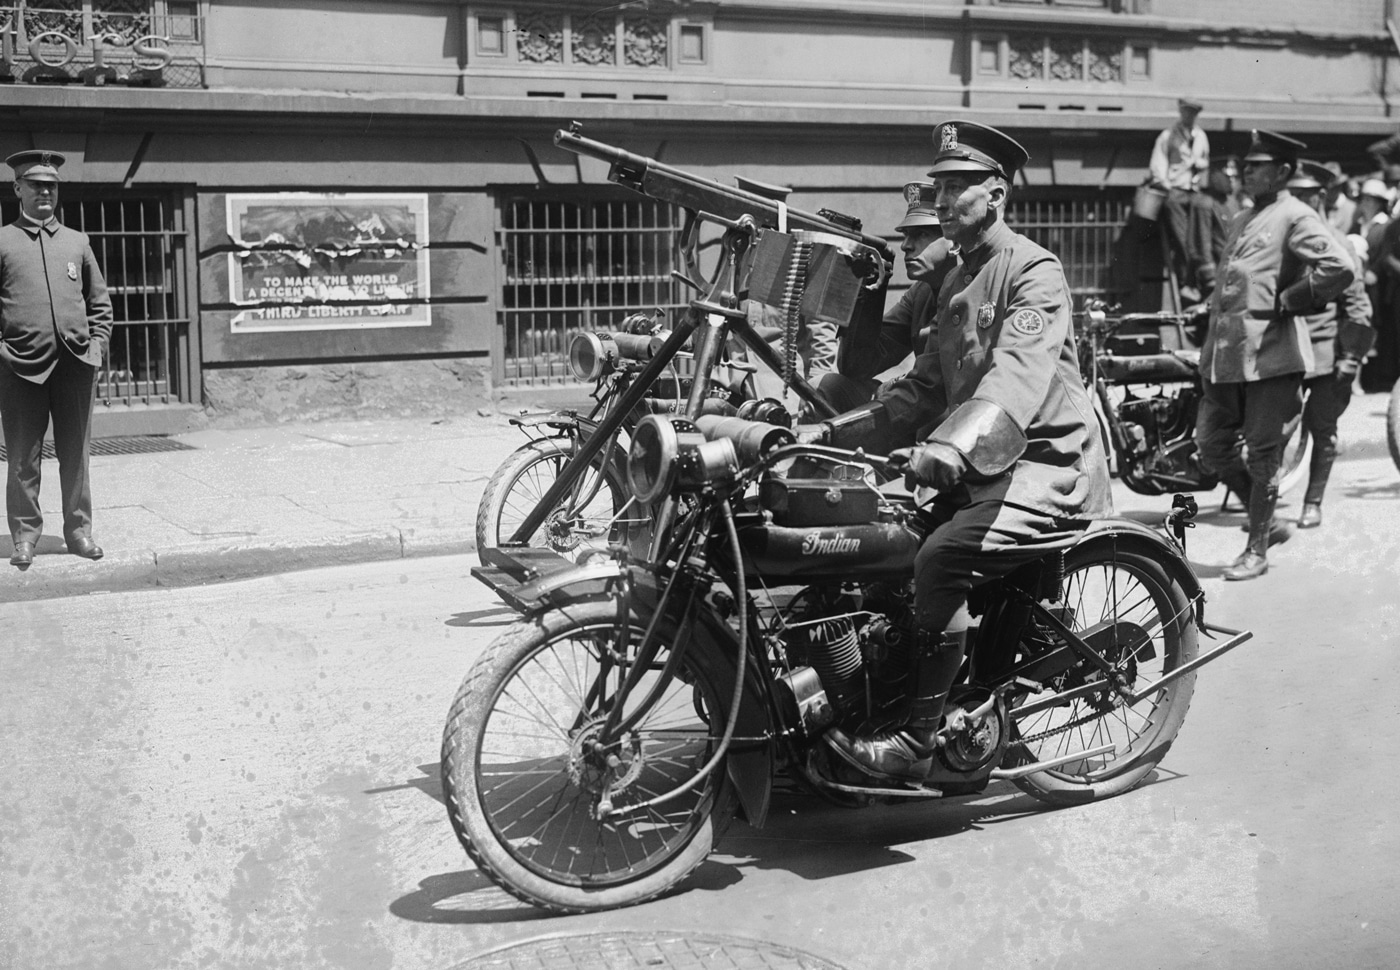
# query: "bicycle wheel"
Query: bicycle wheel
{"points": [[524, 771], [1392, 424], [518, 485], [1141, 622], [1297, 452]]}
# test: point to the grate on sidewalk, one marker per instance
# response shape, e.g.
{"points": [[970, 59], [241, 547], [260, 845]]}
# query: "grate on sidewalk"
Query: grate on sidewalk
{"points": [[627, 950], [136, 444]]}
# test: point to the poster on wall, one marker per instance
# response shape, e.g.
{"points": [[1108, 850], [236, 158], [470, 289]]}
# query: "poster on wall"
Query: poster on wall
{"points": [[328, 261]]}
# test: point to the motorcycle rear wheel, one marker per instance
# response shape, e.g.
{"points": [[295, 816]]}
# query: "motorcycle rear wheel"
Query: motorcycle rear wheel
{"points": [[1138, 598], [518, 485], [522, 785]]}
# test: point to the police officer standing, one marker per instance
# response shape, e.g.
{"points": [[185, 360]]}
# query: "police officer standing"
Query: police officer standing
{"points": [[1017, 460], [1341, 335], [55, 324], [927, 260], [1281, 263]]}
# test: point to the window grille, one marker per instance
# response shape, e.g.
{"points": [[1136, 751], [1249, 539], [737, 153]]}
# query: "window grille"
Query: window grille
{"points": [[142, 258], [1081, 231], [573, 266]]}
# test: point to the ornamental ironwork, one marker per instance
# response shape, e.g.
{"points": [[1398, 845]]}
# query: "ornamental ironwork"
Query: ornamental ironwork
{"points": [[1066, 60], [593, 40], [1027, 58], [102, 42], [1105, 61], [644, 42], [540, 38]]}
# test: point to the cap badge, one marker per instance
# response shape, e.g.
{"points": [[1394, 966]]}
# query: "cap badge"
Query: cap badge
{"points": [[72, 271], [949, 138], [911, 194], [46, 158], [986, 315]]}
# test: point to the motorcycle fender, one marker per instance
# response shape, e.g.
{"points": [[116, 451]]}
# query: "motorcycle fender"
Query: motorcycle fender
{"points": [[562, 420], [714, 649], [1131, 535]]}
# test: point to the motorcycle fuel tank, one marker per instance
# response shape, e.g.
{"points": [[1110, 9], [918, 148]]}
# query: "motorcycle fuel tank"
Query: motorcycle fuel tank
{"points": [[849, 553]]}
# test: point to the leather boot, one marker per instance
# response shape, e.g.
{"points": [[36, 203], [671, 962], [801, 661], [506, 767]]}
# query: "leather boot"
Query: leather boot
{"points": [[906, 753], [1237, 480], [1253, 562], [1311, 516], [1324, 454]]}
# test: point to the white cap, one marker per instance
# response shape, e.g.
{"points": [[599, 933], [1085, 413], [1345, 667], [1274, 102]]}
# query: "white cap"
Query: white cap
{"points": [[1376, 189]]}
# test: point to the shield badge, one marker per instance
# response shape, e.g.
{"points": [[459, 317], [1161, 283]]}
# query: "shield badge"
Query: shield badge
{"points": [[72, 271], [986, 313]]}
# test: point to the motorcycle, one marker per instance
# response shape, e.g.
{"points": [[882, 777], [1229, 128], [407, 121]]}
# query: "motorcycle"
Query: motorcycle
{"points": [[599, 747], [1392, 424], [1144, 374]]}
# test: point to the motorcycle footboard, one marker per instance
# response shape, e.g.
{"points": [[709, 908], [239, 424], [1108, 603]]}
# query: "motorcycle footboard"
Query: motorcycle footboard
{"points": [[509, 570]]}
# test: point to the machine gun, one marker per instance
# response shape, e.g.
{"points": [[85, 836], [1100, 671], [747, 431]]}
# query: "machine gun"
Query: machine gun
{"points": [[708, 198]]}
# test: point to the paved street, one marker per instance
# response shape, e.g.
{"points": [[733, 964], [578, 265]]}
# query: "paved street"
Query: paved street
{"points": [[245, 776]]}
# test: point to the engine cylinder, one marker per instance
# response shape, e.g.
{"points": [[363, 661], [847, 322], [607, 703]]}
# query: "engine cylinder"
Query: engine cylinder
{"points": [[833, 649]]}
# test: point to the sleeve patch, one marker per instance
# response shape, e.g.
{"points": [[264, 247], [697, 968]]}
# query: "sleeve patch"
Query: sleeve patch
{"points": [[1028, 322]]}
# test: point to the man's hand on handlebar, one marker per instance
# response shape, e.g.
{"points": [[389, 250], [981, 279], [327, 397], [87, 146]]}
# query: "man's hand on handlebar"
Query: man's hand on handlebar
{"points": [[932, 464], [812, 434]]}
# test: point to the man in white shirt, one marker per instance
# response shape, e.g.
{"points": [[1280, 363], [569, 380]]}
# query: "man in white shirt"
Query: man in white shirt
{"points": [[1180, 161]]}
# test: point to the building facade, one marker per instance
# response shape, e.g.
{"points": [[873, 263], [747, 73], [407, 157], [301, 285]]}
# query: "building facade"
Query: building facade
{"points": [[327, 207]]}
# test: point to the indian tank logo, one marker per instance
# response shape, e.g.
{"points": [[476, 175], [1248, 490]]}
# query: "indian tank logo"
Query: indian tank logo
{"points": [[815, 545]]}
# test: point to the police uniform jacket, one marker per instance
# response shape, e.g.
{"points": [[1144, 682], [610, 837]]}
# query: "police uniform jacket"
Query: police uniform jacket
{"points": [[1003, 335], [902, 332], [1280, 261], [1343, 327], [53, 299]]}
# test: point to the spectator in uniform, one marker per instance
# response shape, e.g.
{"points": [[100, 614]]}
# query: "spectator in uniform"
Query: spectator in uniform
{"points": [[1341, 335], [1016, 457], [905, 326], [1281, 263], [55, 324], [1338, 207], [1179, 163]]}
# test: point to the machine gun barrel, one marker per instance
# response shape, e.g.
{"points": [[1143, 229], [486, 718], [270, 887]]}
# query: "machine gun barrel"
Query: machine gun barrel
{"points": [[664, 183]]}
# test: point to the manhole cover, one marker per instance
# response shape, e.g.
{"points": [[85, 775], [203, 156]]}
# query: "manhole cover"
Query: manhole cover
{"points": [[641, 951], [136, 444]]}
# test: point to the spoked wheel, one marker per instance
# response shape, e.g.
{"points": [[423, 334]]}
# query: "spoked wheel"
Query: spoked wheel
{"points": [[585, 520], [1392, 424], [550, 806], [1139, 619]]}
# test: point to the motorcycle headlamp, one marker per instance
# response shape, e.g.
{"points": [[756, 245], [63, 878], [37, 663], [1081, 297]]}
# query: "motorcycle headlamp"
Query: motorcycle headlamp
{"points": [[591, 355], [671, 454]]}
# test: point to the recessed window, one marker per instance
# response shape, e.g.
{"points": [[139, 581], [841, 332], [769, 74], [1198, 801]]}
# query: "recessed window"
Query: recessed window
{"points": [[491, 35], [692, 44], [1141, 63], [989, 57]]}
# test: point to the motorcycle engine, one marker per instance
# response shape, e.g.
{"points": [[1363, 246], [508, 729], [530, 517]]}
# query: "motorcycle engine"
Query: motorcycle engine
{"points": [[848, 651]]}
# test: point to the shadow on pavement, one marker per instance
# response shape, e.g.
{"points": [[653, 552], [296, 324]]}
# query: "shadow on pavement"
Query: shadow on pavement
{"points": [[430, 784], [500, 615], [463, 897]]}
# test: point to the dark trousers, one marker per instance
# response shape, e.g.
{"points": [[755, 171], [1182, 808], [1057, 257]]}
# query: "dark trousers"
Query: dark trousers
{"points": [[1249, 413], [1328, 397], [1190, 219], [975, 543], [67, 397]]}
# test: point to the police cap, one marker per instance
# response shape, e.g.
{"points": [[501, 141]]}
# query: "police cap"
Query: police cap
{"points": [[965, 146], [36, 165], [1270, 146], [1310, 177], [918, 197], [1190, 104]]}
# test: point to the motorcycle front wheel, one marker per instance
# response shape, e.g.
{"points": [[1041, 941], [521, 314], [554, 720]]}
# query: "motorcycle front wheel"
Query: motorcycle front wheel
{"points": [[525, 768], [1139, 619], [573, 528]]}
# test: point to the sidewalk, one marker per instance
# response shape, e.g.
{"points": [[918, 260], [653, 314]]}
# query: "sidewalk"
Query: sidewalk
{"points": [[258, 501], [267, 500]]}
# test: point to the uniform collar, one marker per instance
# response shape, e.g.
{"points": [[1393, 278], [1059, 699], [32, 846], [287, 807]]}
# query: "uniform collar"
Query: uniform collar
{"points": [[32, 226], [997, 237]]}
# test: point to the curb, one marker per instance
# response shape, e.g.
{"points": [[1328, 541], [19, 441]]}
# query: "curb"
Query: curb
{"points": [[196, 566]]}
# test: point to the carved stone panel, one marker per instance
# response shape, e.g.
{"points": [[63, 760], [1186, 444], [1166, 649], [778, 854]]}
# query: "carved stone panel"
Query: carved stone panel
{"points": [[593, 40], [644, 42], [540, 37]]}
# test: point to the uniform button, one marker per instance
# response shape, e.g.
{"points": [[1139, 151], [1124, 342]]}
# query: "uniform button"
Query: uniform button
{"points": [[967, 279], [959, 363]]}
